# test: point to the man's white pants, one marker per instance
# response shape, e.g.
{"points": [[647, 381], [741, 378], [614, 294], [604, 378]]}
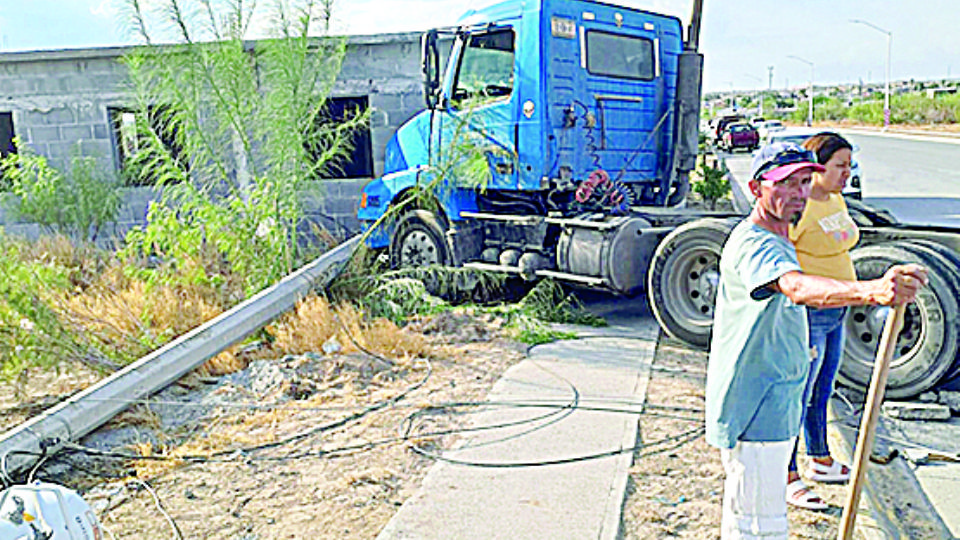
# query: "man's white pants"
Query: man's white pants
{"points": [[754, 493]]}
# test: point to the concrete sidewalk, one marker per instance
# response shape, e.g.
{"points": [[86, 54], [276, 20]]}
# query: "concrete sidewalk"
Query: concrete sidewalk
{"points": [[554, 471]]}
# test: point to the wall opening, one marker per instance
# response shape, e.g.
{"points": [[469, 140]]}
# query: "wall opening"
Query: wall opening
{"points": [[127, 141], [359, 163], [7, 134]]}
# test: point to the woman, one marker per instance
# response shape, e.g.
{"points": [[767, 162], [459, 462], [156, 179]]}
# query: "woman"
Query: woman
{"points": [[823, 238]]}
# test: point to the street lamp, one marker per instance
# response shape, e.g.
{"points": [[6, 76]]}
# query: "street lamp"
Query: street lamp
{"points": [[809, 63], [886, 93]]}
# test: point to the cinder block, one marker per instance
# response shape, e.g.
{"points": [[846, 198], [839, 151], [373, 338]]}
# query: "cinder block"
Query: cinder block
{"points": [[902, 410], [76, 133], [101, 131], [44, 134], [54, 117], [951, 399]]}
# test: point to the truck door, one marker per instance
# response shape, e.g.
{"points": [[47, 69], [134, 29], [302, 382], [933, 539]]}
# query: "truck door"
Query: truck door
{"points": [[479, 123]]}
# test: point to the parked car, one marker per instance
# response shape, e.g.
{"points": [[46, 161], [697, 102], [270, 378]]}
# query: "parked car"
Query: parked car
{"points": [[719, 124], [798, 135], [767, 127], [739, 136]]}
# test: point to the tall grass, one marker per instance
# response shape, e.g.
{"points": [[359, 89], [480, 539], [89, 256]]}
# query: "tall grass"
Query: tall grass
{"points": [[244, 119], [906, 109]]}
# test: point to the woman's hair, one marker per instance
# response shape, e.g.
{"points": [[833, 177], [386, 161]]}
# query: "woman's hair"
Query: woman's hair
{"points": [[826, 144]]}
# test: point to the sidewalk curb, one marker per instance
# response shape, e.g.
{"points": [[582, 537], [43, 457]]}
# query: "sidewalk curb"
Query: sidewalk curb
{"points": [[894, 498]]}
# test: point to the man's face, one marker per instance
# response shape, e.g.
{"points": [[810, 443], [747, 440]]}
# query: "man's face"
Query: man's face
{"points": [[786, 199]]}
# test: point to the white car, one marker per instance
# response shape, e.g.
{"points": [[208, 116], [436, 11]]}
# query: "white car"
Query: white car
{"points": [[767, 127], [798, 135]]}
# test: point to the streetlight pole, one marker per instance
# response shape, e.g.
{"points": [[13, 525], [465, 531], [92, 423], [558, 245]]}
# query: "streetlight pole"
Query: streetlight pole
{"points": [[886, 93], [809, 63]]}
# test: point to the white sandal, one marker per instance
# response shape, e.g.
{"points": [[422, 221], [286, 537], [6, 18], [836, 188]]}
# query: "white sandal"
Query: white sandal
{"points": [[801, 496], [834, 473]]}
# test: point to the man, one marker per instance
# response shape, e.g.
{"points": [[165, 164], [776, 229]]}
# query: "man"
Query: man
{"points": [[759, 354]]}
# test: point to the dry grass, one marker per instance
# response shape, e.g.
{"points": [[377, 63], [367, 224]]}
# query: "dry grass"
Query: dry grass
{"points": [[344, 495], [314, 322]]}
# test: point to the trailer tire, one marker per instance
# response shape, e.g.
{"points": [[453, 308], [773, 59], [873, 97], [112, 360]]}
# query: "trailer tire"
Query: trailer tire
{"points": [[419, 240], [950, 260], [683, 279], [927, 344]]}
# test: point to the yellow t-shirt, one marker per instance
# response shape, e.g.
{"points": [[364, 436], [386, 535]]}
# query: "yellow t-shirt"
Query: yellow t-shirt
{"points": [[824, 237]]}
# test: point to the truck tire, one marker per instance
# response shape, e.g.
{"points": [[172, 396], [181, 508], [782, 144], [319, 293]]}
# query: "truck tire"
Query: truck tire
{"points": [[683, 279], [419, 241], [927, 344], [951, 261]]}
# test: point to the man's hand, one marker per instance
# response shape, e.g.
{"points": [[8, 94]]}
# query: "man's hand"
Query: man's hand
{"points": [[899, 285]]}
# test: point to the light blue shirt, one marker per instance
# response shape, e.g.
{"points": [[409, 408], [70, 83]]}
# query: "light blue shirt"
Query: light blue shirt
{"points": [[758, 353]]}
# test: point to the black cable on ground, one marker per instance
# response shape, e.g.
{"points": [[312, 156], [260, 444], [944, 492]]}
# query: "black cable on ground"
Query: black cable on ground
{"points": [[681, 439]]}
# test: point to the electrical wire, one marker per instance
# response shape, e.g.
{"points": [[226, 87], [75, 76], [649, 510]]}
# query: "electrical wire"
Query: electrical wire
{"points": [[243, 454], [680, 439], [178, 534]]}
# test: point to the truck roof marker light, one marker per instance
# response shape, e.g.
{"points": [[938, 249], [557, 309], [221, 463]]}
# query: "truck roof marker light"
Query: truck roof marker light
{"points": [[589, 16], [618, 18], [649, 26]]}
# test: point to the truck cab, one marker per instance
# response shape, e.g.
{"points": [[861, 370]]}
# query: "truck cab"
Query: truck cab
{"points": [[546, 114]]}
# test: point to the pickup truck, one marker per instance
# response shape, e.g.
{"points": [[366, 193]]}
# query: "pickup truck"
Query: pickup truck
{"points": [[740, 136]]}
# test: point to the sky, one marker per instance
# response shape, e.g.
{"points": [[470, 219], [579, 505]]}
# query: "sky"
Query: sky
{"points": [[740, 39]]}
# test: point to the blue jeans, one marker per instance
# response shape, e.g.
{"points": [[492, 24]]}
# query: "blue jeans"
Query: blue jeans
{"points": [[826, 334]]}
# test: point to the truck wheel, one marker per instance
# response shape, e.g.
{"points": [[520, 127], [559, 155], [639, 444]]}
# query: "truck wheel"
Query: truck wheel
{"points": [[419, 241], [683, 279], [950, 260], [927, 344]]}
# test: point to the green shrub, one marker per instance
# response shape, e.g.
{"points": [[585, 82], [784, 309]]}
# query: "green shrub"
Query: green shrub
{"points": [[77, 203], [712, 184]]}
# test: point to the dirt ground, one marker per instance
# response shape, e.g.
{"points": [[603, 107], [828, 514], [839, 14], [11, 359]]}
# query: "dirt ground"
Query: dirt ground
{"points": [[312, 455], [677, 494]]}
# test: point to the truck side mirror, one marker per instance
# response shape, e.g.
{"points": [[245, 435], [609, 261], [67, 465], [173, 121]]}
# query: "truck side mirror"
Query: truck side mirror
{"points": [[430, 67]]}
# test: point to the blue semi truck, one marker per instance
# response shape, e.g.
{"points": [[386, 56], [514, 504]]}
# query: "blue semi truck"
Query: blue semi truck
{"points": [[584, 114], [558, 140]]}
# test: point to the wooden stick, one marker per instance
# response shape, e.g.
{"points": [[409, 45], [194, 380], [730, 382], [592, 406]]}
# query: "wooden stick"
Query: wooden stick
{"points": [[871, 414]]}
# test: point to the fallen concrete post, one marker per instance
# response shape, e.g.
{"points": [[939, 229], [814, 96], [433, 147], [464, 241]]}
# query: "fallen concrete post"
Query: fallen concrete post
{"points": [[91, 408]]}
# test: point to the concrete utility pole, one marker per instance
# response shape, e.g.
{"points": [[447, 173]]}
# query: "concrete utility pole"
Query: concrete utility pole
{"points": [[770, 82], [759, 80], [886, 94], [810, 112]]}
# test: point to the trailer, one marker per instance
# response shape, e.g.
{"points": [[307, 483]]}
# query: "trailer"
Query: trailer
{"points": [[557, 142]]}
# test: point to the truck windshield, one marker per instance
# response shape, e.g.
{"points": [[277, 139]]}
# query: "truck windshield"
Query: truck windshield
{"points": [[617, 55], [486, 69]]}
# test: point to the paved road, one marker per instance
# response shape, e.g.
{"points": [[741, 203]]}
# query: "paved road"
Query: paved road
{"points": [[915, 178]]}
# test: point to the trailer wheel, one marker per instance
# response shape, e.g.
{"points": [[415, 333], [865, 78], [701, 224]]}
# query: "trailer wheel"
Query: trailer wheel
{"points": [[419, 241], [683, 279], [927, 344]]}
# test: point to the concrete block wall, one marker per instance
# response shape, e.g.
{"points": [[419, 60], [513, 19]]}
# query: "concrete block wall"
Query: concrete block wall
{"points": [[60, 99]]}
